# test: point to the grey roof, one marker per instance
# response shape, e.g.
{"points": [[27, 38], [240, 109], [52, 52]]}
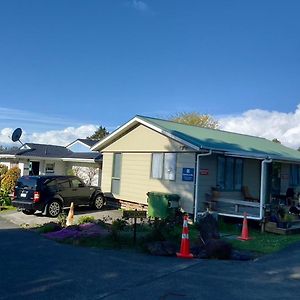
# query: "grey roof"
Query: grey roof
{"points": [[85, 155], [44, 150], [52, 151]]}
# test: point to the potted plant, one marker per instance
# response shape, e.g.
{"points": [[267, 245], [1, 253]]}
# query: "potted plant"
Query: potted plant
{"points": [[286, 221]]}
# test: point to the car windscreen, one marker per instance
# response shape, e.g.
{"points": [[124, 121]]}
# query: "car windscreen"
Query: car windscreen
{"points": [[26, 182]]}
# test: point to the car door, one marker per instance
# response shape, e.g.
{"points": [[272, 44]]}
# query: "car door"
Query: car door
{"points": [[65, 190], [80, 190]]}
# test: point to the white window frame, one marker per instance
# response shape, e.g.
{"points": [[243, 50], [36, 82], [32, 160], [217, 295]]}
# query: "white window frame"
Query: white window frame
{"points": [[116, 178], [163, 166], [50, 168]]}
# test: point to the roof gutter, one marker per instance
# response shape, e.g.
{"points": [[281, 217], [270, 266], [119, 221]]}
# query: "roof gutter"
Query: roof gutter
{"points": [[199, 155], [7, 156], [83, 160]]}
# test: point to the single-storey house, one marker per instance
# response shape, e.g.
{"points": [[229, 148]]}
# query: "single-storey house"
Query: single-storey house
{"points": [[41, 159], [227, 172]]}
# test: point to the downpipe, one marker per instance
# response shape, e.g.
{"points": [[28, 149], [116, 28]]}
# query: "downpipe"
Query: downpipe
{"points": [[262, 187], [197, 181]]}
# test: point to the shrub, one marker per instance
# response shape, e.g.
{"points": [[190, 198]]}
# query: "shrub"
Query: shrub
{"points": [[5, 199], [62, 219], [86, 219], [3, 170], [10, 178], [48, 227], [117, 226]]}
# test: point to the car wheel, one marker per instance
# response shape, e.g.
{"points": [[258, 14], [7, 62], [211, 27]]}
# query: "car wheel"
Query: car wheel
{"points": [[98, 202], [54, 209], [28, 211]]}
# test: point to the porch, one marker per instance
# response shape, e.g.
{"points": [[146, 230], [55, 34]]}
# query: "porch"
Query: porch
{"points": [[232, 204]]}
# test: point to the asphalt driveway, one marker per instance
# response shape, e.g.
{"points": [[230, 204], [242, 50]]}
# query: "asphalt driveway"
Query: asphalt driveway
{"points": [[33, 267]]}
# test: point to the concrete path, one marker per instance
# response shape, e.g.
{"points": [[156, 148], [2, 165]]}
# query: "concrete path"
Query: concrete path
{"points": [[33, 267], [18, 218]]}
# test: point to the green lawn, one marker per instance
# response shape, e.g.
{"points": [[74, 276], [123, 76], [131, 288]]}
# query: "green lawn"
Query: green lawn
{"points": [[261, 243]]}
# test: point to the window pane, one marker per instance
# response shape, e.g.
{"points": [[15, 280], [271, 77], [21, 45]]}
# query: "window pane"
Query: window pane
{"points": [[238, 173], [170, 166], [117, 165], [229, 173], [115, 186], [76, 183], [294, 175], [64, 183], [221, 173], [157, 165]]}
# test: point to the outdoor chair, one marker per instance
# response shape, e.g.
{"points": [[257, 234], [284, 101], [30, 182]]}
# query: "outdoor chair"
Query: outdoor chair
{"points": [[290, 194], [247, 195]]}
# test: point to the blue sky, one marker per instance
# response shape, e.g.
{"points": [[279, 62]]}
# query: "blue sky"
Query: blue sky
{"points": [[75, 63]]}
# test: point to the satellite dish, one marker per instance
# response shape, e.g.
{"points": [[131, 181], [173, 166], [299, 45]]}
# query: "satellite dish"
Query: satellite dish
{"points": [[16, 135]]}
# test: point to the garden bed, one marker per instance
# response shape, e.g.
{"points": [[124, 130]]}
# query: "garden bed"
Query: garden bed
{"points": [[164, 237]]}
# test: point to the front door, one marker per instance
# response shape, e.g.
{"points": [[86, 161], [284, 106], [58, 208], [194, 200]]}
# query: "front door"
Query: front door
{"points": [[34, 168]]}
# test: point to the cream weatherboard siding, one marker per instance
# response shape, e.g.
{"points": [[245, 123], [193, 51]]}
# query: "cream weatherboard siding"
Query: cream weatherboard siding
{"points": [[107, 172], [136, 181], [143, 139]]}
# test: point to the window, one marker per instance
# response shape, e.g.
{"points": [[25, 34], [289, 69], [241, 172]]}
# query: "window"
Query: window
{"points": [[294, 175], [64, 183], [163, 166], [50, 168], [116, 175], [229, 176], [76, 183]]}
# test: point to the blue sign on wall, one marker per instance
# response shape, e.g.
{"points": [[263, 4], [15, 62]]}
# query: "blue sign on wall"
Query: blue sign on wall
{"points": [[187, 174]]}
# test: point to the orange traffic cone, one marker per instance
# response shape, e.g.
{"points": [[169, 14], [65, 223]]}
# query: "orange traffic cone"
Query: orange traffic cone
{"points": [[185, 241], [245, 234], [70, 217]]}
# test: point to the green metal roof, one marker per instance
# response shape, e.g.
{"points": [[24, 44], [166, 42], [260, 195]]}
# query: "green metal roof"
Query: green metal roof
{"points": [[225, 141]]}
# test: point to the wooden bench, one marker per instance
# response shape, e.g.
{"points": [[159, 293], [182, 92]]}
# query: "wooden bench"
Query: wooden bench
{"points": [[234, 198], [238, 203]]}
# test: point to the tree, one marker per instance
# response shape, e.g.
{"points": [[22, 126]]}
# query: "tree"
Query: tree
{"points": [[4, 149], [196, 119], [276, 141], [99, 134], [87, 174]]}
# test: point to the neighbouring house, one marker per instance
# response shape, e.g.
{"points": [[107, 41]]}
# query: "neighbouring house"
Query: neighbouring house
{"points": [[82, 145], [227, 172], [40, 159]]}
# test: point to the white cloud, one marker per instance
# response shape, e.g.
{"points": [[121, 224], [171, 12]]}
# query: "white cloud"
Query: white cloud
{"points": [[5, 136], [62, 137], [268, 124], [140, 5], [55, 137]]}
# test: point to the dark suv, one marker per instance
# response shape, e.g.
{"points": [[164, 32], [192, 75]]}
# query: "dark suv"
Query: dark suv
{"points": [[51, 193]]}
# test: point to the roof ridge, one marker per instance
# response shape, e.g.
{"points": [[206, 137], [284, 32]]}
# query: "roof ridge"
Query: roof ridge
{"points": [[205, 128], [40, 144]]}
